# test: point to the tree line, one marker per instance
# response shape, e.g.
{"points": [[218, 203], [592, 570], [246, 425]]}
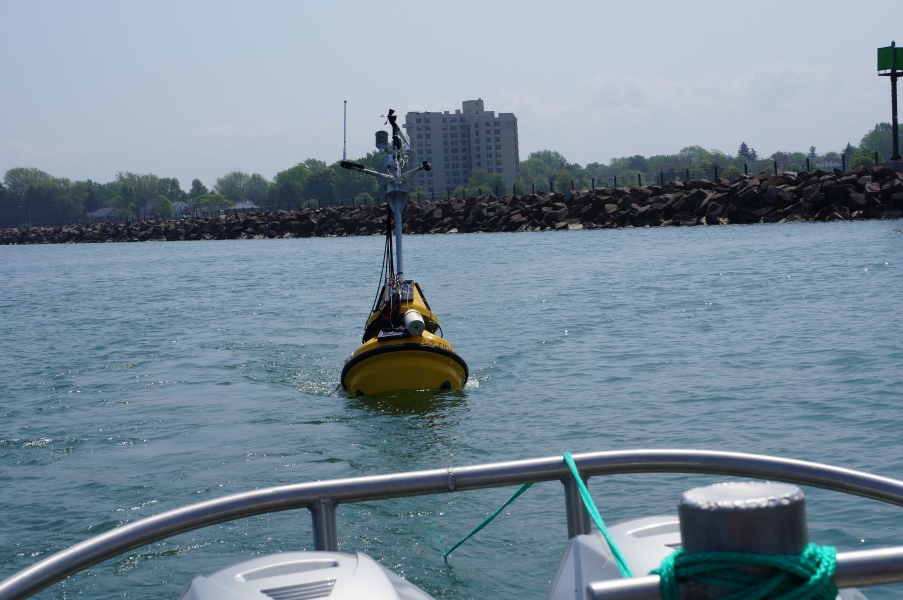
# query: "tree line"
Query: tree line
{"points": [[29, 195]]}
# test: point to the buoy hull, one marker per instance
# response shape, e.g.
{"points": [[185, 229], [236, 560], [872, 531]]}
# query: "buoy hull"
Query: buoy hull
{"points": [[414, 363]]}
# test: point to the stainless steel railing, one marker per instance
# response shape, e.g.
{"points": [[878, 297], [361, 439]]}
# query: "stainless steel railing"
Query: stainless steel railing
{"points": [[322, 497]]}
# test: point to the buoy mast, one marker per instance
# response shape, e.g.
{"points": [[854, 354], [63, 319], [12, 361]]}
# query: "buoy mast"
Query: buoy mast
{"points": [[396, 159]]}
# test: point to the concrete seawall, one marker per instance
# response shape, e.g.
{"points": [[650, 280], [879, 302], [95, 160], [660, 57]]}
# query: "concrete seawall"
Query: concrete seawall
{"points": [[820, 196]]}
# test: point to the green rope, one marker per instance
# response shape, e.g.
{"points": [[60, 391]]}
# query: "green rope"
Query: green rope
{"points": [[801, 576], [522, 489], [623, 567]]}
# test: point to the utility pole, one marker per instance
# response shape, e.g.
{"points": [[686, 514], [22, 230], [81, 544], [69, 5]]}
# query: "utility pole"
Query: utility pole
{"points": [[345, 131]]}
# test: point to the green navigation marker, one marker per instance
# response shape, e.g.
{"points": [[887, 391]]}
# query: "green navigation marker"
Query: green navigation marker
{"points": [[886, 58], [890, 61]]}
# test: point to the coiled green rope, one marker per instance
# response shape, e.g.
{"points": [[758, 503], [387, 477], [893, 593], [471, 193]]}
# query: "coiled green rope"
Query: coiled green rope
{"points": [[804, 576]]}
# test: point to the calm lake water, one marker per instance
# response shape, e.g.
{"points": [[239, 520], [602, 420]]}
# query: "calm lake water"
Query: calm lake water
{"points": [[137, 378]]}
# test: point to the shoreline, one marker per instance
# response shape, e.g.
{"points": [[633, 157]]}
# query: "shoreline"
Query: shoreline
{"points": [[858, 194]]}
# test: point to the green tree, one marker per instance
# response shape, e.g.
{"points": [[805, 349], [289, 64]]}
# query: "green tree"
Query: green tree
{"points": [[731, 173], [542, 167], [169, 187], [812, 154], [300, 172], [348, 184], [211, 202], [881, 140], [143, 191], [8, 211], [743, 151], [126, 201], [563, 180], [198, 189], [238, 186], [862, 158], [319, 186], [850, 150], [54, 200], [365, 198], [289, 193], [162, 207], [17, 182]]}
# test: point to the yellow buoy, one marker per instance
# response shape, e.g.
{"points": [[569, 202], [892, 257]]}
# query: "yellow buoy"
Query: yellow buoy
{"points": [[400, 348]]}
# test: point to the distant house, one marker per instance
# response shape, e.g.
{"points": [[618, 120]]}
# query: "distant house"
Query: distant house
{"points": [[245, 204], [181, 208], [102, 214]]}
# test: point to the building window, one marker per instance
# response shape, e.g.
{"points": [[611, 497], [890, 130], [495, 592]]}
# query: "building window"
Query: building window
{"points": [[445, 142], [419, 136], [461, 119], [478, 163], [443, 119], [427, 127], [455, 127], [418, 120], [447, 180], [429, 150], [489, 146], [497, 123], [498, 162], [429, 143], [452, 120], [426, 121], [430, 175], [489, 170], [419, 128], [498, 146], [499, 154], [478, 157], [420, 143], [457, 181], [498, 139]]}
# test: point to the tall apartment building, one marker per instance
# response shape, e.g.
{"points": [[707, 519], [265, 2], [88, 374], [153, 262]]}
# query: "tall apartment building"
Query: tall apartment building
{"points": [[455, 144]]}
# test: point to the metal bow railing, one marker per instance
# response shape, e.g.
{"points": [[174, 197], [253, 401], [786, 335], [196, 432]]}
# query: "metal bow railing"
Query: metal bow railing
{"points": [[322, 497]]}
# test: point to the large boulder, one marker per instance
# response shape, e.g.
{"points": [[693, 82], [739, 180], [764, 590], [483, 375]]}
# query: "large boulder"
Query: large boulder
{"points": [[684, 219], [747, 196]]}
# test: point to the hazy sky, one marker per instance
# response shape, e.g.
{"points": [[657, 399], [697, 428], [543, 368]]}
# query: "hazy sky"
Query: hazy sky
{"points": [[197, 89]]}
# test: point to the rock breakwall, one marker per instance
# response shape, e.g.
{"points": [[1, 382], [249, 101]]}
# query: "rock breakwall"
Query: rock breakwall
{"points": [[764, 198]]}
